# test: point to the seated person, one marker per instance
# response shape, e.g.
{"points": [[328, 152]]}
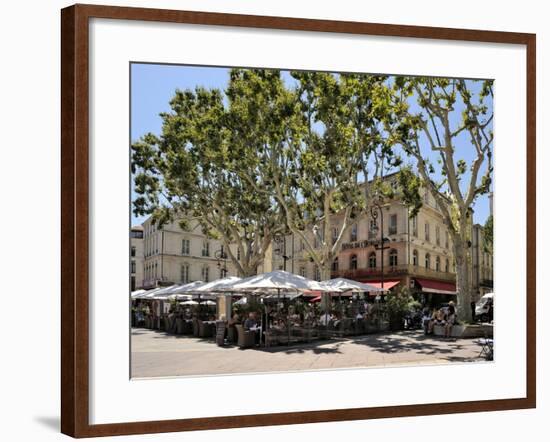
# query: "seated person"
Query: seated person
{"points": [[325, 318], [236, 319], [451, 318], [250, 322], [438, 318]]}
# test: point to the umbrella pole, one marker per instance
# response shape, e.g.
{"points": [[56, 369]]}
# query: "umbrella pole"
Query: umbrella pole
{"points": [[288, 321], [261, 324]]}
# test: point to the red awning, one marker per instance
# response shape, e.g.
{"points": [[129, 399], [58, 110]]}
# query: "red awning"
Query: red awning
{"points": [[311, 293], [316, 299], [378, 284], [430, 286]]}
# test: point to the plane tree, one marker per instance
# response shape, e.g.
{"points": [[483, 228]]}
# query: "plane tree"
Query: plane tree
{"points": [[446, 128], [191, 173]]}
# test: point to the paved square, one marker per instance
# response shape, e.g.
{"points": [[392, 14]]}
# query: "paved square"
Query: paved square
{"points": [[158, 354]]}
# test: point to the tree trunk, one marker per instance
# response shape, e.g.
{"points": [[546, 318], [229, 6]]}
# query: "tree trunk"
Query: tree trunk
{"points": [[248, 271], [463, 279], [325, 272]]}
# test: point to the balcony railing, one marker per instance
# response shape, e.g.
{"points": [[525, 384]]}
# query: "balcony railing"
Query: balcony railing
{"points": [[394, 271]]}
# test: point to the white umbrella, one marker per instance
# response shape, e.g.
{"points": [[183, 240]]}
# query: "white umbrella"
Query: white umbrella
{"points": [[242, 301], [163, 293], [276, 281], [189, 302], [218, 285], [182, 289], [347, 285], [147, 294], [135, 293]]}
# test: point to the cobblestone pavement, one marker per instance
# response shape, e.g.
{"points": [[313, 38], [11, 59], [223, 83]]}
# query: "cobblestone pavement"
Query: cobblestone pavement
{"points": [[158, 354]]}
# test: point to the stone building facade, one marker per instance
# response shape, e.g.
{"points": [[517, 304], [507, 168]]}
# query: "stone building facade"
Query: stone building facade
{"points": [[417, 251], [176, 256], [482, 265], [136, 257]]}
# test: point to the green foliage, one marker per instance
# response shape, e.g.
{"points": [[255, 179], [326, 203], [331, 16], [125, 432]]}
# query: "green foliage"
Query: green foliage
{"points": [[410, 185], [204, 166], [261, 158], [400, 303], [453, 123]]}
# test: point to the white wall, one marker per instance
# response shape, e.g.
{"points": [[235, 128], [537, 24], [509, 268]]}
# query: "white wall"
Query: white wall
{"points": [[29, 94]]}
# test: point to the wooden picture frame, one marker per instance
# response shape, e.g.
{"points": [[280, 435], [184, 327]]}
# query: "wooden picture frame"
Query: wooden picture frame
{"points": [[75, 219]]}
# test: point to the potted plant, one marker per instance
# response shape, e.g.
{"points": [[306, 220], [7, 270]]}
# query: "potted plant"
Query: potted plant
{"points": [[398, 305]]}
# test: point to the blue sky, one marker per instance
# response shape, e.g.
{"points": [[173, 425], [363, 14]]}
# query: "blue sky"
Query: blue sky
{"points": [[153, 85]]}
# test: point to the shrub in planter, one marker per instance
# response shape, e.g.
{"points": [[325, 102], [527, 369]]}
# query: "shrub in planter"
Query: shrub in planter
{"points": [[398, 305]]}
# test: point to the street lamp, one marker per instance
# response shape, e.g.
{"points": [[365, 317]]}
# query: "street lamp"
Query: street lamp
{"points": [[375, 209], [221, 257], [281, 241]]}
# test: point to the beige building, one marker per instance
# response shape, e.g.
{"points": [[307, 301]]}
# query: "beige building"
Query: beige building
{"points": [[176, 256], [482, 265], [136, 257], [417, 252]]}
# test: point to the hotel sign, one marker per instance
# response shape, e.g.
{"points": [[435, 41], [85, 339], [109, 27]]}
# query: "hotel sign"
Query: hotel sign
{"points": [[360, 244]]}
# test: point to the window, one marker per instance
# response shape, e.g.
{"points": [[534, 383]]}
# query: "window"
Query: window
{"points": [[303, 271], [427, 232], [372, 260], [185, 247], [335, 265], [156, 269], [353, 262], [317, 274], [184, 273], [136, 234], [334, 234], [437, 263], [392, 230], [446, 240], [205, 248], [415, 226], [353, 233], [205, 274], [302, 245], [133, 267], [393, 258], [238, 254], [133, 283], [437, 235], [447, 265], [415, 258], [427, 261], [133, 252]]}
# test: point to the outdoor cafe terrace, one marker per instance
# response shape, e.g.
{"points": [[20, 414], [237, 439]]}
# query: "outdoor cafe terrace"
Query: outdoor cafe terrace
{"points": [[276, 308]]}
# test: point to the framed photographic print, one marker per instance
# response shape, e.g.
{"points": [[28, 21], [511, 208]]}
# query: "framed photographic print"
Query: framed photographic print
{"points": [[264, 216]]}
